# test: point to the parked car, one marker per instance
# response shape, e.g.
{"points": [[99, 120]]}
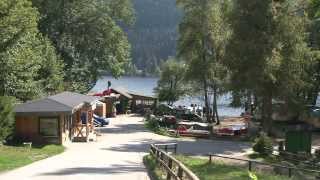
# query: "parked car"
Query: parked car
{"points": [[103, 121]]}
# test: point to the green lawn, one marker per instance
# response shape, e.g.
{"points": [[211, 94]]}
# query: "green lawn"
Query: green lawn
{"points": [[205, 171], [12, 157], [221, 171]]}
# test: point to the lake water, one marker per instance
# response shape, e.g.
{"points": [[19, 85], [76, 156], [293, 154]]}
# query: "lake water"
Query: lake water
{"points": [[145, 85]]}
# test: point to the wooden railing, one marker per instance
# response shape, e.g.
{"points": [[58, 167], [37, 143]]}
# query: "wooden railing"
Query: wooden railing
{"points": [[174, 168], [289, 169]]}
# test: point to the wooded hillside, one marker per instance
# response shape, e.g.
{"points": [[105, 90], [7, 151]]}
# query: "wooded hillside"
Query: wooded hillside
{"points": [[153, 37]]}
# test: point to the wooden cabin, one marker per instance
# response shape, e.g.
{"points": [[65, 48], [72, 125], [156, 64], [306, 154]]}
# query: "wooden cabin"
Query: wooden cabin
{"points": [[58, 119], [142, 102]]}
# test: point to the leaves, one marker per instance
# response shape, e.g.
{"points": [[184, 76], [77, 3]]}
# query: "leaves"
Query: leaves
{"points": [[171, 85], [87, 36]]}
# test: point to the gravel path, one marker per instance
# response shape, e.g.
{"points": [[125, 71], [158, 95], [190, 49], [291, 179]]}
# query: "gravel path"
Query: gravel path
{"points": [[116, 155]]}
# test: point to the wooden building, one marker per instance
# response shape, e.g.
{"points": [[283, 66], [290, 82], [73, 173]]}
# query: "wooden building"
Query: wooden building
{"points": [[58, 119], [142, 102]]}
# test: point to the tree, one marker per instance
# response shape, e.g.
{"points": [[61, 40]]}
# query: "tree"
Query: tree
{"points": [[314, 42], [204, 32], [24, 52], [87, 36], [6, 117], [171, 85], [267, 52]]}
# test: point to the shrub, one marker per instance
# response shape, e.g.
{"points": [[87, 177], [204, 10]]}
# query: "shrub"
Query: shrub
{"points": [[6, 117], [263, 144], [317, 153]]}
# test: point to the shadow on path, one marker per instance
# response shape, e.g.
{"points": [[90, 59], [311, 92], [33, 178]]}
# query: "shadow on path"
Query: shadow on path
{"points": [[113, 169], [191, 147]]}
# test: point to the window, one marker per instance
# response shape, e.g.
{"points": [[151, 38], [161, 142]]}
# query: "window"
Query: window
{"points": [[49, 126]]}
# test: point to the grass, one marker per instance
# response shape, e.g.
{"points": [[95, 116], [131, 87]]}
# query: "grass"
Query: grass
{"points": [[221, 171], [153, 169], [205, 171], [264, 158], [12, 156]]}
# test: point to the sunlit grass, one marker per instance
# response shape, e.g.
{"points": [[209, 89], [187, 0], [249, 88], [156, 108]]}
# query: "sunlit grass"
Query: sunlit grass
{"points": [[12, 156]]}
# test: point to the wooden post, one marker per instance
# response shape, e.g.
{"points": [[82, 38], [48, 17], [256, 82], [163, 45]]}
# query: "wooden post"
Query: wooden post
{"points": [[250, 165], [175, 148], [290, 172], [166, 148], [210, 158], [180, 172], [170, 166]]}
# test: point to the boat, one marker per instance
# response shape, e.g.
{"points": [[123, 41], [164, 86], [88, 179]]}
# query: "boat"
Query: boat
{"points": [[193, 129], [232, 127]]}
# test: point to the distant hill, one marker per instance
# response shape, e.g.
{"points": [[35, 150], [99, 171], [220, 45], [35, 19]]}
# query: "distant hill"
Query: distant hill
{"points": [[153, 37]]}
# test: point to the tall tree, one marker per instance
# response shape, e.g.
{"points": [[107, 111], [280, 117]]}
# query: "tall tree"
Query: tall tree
{"points": [[314, 42], [203, 37], [23, 52], [171, 85], [267, 52], [87, 36]]}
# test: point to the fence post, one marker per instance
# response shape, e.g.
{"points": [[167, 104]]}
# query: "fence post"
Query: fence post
{"points": [[166, 148], [175, 148], [210, 158], [170, 166], [250, 165], [161, 155], [157, 154], [180, 172], [290, 172]]}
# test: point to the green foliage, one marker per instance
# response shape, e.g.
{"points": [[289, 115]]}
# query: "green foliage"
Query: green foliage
{"points": [[151, 164], [153, 125], [204, 33], [87, 36], [267, 53], [263, 144], [154, 35], [25, 54], [6, 117], [171, 85]]}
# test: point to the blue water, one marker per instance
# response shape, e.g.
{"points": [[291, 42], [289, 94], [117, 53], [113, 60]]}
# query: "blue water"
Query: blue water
{"points": [[145, 85]]}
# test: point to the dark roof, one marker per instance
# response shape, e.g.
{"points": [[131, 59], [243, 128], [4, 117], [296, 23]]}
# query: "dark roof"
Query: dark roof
{"points": [[73, 99], [64, 102], [141, 95], [122, 92]]}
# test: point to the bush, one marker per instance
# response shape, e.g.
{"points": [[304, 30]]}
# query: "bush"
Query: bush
{"points": [[6, 117], [317, 154], [263, 144]]}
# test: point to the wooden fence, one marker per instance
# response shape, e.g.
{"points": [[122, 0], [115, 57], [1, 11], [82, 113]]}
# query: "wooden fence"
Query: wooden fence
{"points": [[174, 168], [250, 163]]}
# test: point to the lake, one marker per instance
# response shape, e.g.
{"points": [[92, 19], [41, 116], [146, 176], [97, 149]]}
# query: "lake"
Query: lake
{"points": [[145, 85]]}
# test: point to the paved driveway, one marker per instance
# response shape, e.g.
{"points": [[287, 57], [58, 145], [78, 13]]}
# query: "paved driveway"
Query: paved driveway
{"points": [[116, 155]]}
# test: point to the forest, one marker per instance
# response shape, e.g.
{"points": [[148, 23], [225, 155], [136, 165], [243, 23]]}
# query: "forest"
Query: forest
{"points": [[154, 35], [259, 51]]}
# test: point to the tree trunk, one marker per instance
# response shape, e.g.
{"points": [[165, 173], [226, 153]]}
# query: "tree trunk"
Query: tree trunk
{"points": [[206, 100], [215, 105], [267, 113]]}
